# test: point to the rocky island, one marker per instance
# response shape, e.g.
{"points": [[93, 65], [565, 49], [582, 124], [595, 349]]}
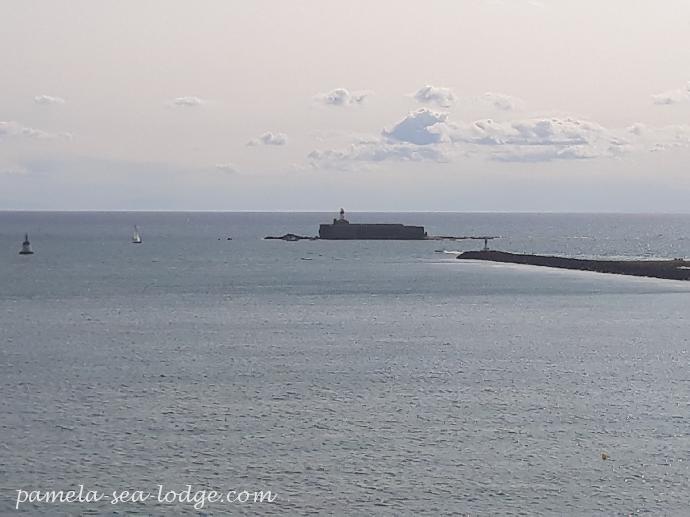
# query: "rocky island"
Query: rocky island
{"points": [[676, 269], [342, 229]]}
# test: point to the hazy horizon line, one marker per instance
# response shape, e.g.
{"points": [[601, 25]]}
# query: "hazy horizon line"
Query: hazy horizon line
{"points": [[89, 210]]}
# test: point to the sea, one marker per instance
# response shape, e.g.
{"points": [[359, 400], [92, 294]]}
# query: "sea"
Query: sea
{"points": [[346, 377]]}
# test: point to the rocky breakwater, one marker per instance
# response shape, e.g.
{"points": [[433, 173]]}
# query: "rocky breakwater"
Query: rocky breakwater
{"points": [[676, 269], [291, 237]]}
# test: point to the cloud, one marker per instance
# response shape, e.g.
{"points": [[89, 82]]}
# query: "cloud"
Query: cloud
{"points": [[537, 131], [227, 168], [672, 96], [189, 101], [14, 171], [501, 101], [430, 136], [438, 95], [655, 139], [269, 138], [48, 99], [14, 129], [417, 128], [548, 153], [426, 135], [342, 97], [537, 139], [376, 150], [637, 129]]}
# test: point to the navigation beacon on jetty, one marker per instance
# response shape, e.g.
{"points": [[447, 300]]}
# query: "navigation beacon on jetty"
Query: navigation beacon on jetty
{"points": [[342, 229]]}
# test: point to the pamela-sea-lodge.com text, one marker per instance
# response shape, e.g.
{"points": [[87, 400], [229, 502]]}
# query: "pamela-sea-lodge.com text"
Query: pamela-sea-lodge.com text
{"points": [[198, 498]]}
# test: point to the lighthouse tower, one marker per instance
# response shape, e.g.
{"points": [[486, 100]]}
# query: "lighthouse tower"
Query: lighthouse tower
{"points": [[341, 218]]}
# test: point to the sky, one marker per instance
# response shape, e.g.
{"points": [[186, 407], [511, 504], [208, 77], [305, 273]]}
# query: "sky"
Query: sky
{"points": [[386, 105]]}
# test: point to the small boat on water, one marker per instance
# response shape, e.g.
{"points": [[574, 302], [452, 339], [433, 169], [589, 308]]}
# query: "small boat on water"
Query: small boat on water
{"points": [[136, 236], [26, 246]]}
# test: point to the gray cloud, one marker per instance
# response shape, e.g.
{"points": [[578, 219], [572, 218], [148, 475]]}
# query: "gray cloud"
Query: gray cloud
{"points": [[655, 139], [672, 96], [417, 128], [48, 99], [501, 101], [536, 131], [227, 168], [14, 171], [269, 138], [438, 95], [342, 97], [376, 150], [547, 153], [537, 139], [189, 101], [14, 129]]}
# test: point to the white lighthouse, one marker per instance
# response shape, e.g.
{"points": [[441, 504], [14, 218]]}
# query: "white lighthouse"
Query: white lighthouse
{"points": [[341, 218]]}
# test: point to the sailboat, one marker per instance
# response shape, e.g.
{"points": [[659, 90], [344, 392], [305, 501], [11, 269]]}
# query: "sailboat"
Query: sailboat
{"points": [[26, 246], [136, 237]]}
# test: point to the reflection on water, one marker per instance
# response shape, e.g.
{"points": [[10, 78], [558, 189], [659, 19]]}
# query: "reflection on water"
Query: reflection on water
{"points": [[373, 378]]}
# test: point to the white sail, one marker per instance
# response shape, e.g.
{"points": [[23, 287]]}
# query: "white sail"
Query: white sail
{"points": [[136, 237]]}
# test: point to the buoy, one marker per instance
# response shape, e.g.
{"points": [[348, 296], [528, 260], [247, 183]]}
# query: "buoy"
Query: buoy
{"points": [[26, 246]]}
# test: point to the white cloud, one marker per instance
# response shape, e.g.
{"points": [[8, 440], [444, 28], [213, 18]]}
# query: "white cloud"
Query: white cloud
{"points": [[376, 150], [428, 135], [48, 99], [342, 97], [417, 127], [425, 135], [501, 101], [548, 153], [439, 95], [14, 129], [269, 138], [189, 101], [637, 129], [536, 131], [672, 96], [661, 138], [537, 139], [227, 168]]}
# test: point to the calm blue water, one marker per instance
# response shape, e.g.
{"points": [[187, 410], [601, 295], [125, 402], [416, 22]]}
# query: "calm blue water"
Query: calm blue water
{"points": [[347, 377]]}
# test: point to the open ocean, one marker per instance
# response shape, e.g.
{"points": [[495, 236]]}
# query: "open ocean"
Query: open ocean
{"points": [[360, 378]]}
